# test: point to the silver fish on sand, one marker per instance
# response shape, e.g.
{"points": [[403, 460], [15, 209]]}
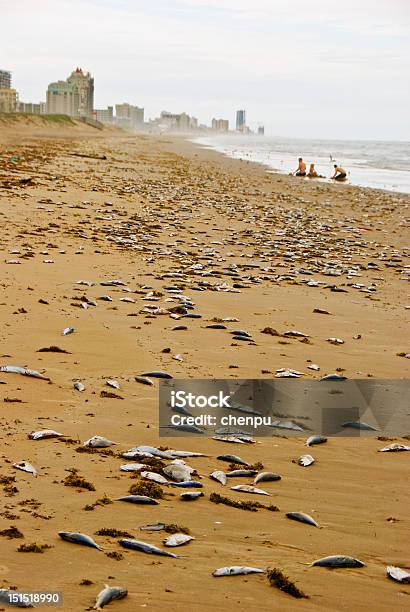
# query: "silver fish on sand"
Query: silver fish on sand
{"points": [[68, 330], [145, 547], [232, 459], [306, 460], [249, 489], [153, 527], [11, 369], [316, 439], [266, 477], [241, 473], [154, 477], [144, 380], [25, 466], [337, 561], [78, 538], [98, 442], [138, 499], [398, 574], [78, 386], [132, 467], [43, 434], [179, 473], [178, 539], [237, 570], [109, 594], [394, 448], [302, 518], [112, 383], [219, 476], [191, 495]]}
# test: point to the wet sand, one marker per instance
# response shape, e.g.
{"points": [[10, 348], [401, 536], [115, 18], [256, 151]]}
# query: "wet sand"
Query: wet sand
{"points": [[155, 207]]}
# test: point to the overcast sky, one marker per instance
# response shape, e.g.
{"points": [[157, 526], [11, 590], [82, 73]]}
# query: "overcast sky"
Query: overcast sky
{"points": [[311, 68]]}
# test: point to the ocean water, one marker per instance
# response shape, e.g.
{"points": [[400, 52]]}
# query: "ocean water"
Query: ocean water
{"points": [[377, 164]]}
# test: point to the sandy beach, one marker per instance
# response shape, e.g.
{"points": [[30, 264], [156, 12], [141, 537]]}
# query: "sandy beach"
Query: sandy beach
{"points": [[267, 250]]}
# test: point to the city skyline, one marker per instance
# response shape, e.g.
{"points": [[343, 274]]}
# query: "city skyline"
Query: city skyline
{"points": [[315, 71]]}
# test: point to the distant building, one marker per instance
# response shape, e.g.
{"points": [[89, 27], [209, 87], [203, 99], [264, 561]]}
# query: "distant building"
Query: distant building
{"points": [[176, 122], [8, 100], [5, 79], [128, 115], [73, 97], [220, 125], [105, 115], [261, 130], [240, 120], [32, 108]]}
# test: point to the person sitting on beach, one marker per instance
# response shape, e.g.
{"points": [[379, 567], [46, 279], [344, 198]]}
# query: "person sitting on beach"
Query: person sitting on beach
{"points": [[312, 172], [301, 171], [339, 174]]}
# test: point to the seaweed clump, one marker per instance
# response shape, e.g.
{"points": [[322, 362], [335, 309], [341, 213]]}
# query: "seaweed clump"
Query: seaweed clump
{"points": [[172, 528], [75, 480], [252, 506], [277, 578], [35, 548], [148, 488], [114, 533], [11, 533]]}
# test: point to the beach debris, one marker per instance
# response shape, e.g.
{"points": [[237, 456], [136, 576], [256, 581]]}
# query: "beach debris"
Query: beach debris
{"points": [[187, 484], [109, 594], [178, 539], [78, 538], [144, 380], [11, 369], [178, 472], [302, 518], [78, 386], [249, 489], [288, 373], [132, 467], [266, 477], [398, 575], [315, 439], [277, 578], [112, 383], [314, 366], [237, 570], [68, 330], [335, 341], [138, 499], [394, 448], [25, 466], [98, 442], [156, 374], [219, 476], [155, 477], [191, 495], [232, 459], [145, 547], [53, 349], [337, 561], [306, 460], [153, 527], [44, 434], [333, 377], [241, 473]]}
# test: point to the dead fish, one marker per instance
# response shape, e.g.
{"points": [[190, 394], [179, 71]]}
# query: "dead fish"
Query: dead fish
{"points": [[237, 570], [241, 473], [144, 380], [179, 473], [153, 527], [153, 451], [398, 574], [216, 326], [295, 334], [228, 439], [333, 377], [43, 434], [266, 477], [109, 594], [336, 561], [306, 460], [112, 383], [358, 425], [394, 448], [287, 425], [177, 454], [178, 539], [154, 477], [191, 495], [105, 298], [98, 442], [25, 466], [232, 459], [132, 467], [78, 538], [78, 386], [219, 476], [315, 440], [187, 484], [6, 597], [335, 341], [249, 489], [68, 330], [10, 369], [302, 518], [138, 499], [157, 374], [146, 548]]}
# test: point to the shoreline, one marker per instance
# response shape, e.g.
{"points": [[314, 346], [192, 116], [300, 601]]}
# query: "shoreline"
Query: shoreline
{"points": [[160, 212]]}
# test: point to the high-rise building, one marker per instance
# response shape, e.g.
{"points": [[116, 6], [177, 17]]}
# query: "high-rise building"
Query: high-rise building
{"points": [[220, 125], [73, 97], [240, 120], [8, 100], [261, 130], [105, 115], [5, 79], [32, 108], [128, 115]]}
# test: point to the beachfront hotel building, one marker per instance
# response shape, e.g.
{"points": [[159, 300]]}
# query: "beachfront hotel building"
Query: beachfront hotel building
{"points": [[105, 115], [220, 125], [8, 96], [5, 79], [127, 115], [73, 97], [241, 120]]}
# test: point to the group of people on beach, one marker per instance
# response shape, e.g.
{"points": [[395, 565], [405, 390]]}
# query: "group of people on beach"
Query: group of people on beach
{"points": [[339, 174]]}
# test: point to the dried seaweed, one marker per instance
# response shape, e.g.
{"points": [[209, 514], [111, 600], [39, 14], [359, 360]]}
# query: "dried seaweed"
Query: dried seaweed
{"points": [[277, 578]]}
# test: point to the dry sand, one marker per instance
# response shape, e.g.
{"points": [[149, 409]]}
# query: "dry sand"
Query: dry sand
{"points": [[163, 190]]}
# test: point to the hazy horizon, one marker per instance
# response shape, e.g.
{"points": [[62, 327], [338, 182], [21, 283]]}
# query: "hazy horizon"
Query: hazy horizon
{"points": [[305, 70]]}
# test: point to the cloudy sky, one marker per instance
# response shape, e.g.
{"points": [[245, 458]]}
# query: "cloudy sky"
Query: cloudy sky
{"points": [[311, 68]]}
